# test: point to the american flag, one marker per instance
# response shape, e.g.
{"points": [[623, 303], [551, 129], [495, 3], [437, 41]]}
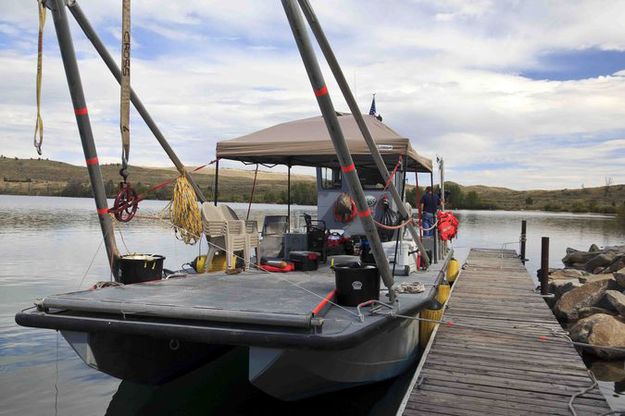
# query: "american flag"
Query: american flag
{"points": [[372, 111]]}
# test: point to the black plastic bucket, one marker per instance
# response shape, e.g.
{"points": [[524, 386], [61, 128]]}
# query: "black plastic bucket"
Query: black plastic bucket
{"points": [[356, 284], [137, 268]]}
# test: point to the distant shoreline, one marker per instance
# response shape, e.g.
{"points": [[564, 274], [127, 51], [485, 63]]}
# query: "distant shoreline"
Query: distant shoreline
{"points": [[39, 177]]}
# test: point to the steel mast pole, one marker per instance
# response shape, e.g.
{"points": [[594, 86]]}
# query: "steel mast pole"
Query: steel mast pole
{"points": [[90, 33], [72, 73], [441, 166], [353, 106], [342, 151]]}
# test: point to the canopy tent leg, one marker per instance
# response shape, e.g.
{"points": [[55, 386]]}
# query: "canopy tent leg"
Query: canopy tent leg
{"points": [[399, 238], [288, 199], [90, 33], [74, 83], [336, 134], [216, 181], [353, 106], [418, 201]]}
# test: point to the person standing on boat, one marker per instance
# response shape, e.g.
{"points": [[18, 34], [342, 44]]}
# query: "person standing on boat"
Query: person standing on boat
{"points": [[429, 205]]}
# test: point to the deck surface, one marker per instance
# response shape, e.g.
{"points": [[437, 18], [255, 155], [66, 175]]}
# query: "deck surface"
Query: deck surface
{"points": [[251, 297], [468, 371]]}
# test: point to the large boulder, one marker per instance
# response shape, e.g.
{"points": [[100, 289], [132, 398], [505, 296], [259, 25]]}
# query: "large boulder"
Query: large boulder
{"points": [[617, 264], [586, 312], [620, 277], [567, 274], [577, 257], [560, 286], [599, 261], [601, 330], [596, 277], [590, 294], [616, 300]]}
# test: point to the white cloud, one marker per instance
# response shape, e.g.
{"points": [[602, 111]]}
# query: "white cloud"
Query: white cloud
{"points": [[446, 75]]}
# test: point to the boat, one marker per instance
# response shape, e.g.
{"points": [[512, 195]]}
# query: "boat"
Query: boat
{"points": [[326, 326]]}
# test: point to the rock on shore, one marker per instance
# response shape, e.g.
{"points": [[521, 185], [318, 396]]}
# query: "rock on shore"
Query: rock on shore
{"points": [[588, 294], [601, 330]]}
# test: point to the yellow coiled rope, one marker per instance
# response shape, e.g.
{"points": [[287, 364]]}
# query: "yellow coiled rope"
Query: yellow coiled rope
{"points": [[184, 212]]}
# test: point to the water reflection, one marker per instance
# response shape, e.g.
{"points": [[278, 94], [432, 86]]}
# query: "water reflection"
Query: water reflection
{"points": [[47, 244], [222, 388]]}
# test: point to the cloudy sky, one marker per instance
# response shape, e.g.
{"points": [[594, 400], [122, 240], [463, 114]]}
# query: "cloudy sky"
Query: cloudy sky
{"points": [[518, 94]]}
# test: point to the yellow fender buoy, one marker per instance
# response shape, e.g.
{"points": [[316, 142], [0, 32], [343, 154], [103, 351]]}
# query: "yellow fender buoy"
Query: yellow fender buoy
{"points": [[434, 313], [453, 269], [442, 293]]}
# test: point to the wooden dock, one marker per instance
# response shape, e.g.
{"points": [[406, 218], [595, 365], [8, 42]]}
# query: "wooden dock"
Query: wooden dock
{"points": [[468, 371]]}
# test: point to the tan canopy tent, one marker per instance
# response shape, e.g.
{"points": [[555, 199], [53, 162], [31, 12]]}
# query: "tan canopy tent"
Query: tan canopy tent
{"points": [[306, 142]]}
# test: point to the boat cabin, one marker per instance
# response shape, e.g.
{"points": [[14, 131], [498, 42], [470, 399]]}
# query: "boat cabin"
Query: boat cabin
{"points": [[306, 142]]}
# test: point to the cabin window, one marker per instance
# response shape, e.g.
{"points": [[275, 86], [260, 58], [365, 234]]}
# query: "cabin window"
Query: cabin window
{"points": [[370, 179], [331, 178]]}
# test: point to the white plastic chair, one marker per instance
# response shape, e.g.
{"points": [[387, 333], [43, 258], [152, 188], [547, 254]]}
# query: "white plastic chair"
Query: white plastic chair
{"points": [[228, 234], [251, 229]]}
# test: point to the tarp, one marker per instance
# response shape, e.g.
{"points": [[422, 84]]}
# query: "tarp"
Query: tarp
{"points": [[307, 142]]}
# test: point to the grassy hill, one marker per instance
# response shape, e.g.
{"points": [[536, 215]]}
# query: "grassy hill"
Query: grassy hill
{"points": [[45, 177], [599, 199]]}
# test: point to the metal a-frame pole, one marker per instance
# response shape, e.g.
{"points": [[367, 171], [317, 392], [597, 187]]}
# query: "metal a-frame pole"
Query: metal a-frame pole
{"points": [[326, 49], [74, 83], [90, 33], [342, 151]]}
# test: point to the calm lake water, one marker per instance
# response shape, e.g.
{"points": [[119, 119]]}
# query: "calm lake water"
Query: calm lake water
{"points": [[47, 245]]}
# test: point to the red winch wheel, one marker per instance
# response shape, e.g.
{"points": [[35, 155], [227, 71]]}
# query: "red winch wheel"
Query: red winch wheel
{"points": [[126, 203]]}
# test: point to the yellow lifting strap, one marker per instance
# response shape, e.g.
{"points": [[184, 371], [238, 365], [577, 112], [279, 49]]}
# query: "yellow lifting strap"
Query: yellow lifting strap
{"points": [[124, 120], [38, 137]]}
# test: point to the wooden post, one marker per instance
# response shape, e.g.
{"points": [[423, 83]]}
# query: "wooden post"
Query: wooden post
{"points": [[523, 239], [544, 265]]}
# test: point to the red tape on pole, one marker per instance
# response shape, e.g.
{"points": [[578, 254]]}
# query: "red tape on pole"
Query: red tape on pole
{"points": [[321, 91], [348, 168], [92, 161], [80, 111], [103, 211]]}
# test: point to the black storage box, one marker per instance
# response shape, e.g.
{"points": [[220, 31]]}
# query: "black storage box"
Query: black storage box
{"points": [[356, 284], [136, 268], [304, 260]]}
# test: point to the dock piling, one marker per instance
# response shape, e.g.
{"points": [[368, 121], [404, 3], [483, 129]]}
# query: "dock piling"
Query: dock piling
{"points": [[523, 240], [544, 266]]}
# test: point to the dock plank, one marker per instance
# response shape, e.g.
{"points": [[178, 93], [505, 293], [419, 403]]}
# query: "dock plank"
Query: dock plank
{"points": [[493, 359]]}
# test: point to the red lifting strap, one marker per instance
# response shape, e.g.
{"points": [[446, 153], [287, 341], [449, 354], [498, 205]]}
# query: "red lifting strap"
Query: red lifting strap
{"points": [[392, 175]]}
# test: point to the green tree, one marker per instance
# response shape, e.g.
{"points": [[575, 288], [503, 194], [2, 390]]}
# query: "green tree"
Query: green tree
{"points": [[472, 201]]}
